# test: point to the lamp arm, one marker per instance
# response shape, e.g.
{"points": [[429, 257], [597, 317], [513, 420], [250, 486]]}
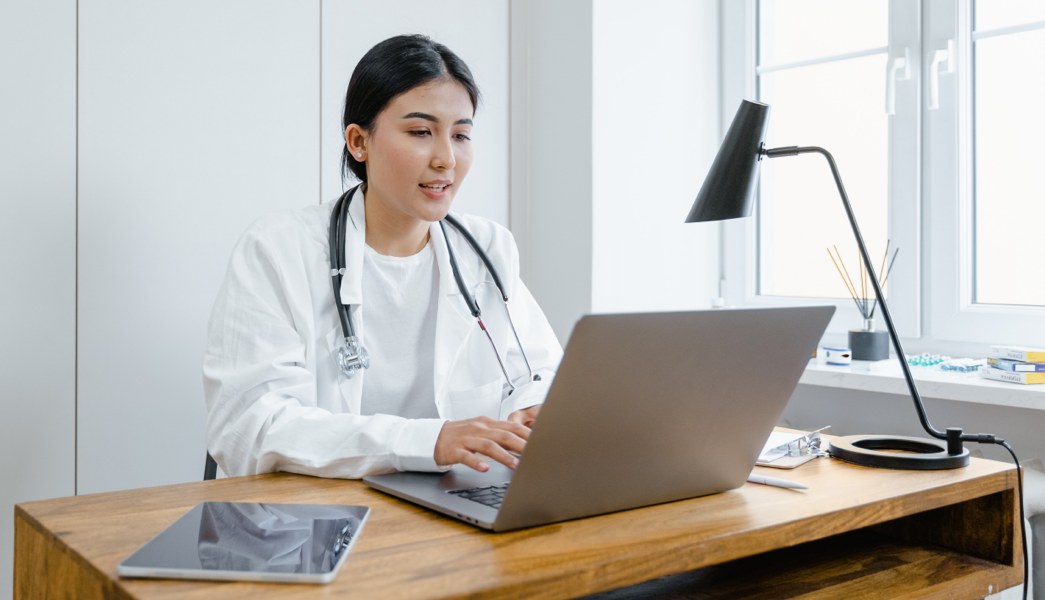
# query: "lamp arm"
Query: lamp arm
{"points": [[796, 150]]}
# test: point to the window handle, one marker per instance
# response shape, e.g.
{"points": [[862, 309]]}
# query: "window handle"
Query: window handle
{"points": [[899, 70], [944, 57]]}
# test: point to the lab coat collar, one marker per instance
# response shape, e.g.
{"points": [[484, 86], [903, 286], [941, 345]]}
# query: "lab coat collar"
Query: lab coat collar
{"points": [[355, 241], [454, 323], [447, 284]]}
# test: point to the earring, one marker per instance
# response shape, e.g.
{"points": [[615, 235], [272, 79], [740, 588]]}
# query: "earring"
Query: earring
{"points": [[359, 155]]}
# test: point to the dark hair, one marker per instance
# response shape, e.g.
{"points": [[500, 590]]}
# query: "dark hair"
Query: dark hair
{"points": [[393, 67]]}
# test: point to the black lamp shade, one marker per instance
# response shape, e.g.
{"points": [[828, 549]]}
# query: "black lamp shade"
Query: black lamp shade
{"points": [[729, 188]]}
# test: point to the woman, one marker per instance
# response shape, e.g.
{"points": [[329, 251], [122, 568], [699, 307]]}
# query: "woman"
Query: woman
{"points": [[434, 394]]}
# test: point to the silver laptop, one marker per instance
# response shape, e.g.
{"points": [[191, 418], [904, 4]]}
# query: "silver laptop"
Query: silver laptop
{"points": [[645, 409]]}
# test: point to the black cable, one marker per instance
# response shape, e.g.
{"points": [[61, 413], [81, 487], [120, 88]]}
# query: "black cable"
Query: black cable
{"points": [[1023, 525]]}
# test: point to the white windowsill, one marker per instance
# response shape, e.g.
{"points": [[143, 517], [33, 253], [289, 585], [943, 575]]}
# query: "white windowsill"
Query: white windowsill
{"points": [[932, 383]]}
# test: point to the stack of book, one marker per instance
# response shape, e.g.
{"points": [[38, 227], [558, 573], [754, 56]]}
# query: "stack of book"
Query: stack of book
{"points": [[1015, 364]]}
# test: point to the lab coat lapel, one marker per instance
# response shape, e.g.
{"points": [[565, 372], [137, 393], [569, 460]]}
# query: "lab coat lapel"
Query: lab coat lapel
{"points": [[355, 240], [351, 293], [454, 323]]}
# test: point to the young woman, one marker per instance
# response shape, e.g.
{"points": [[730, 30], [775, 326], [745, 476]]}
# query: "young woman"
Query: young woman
{"points": [[283, 372]]}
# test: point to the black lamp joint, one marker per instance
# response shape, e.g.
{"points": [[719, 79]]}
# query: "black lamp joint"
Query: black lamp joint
{"points": [[954, 441]]}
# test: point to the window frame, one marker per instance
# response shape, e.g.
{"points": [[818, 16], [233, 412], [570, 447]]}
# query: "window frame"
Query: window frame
{"points": [[954, 315], [740, 237]]}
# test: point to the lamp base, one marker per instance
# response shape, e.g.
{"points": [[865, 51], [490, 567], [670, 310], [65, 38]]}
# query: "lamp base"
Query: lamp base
{"points": [[897, 452]]}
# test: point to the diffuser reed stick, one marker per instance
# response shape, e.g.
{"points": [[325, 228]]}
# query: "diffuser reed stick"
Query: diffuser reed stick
{"points": [[865, 305]]}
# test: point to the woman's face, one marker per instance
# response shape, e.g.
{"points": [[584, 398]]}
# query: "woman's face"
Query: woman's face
{"points": [[419, 150]]}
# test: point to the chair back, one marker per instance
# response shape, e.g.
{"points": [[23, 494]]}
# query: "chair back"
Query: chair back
{"points": [[210, 468]]}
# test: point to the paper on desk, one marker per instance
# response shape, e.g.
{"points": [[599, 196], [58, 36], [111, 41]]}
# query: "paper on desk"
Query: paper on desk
{"points": [[776, 446]]}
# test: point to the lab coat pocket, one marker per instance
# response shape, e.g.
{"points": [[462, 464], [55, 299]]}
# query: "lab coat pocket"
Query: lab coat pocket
{"points": [[478, 401]]}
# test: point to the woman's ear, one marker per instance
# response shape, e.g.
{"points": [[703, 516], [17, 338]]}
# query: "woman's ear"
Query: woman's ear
{"points": [[355, 140]]}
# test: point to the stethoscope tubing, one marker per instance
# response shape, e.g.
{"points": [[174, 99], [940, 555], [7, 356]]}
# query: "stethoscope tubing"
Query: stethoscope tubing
{"points": [[478, 250], [336, 242], [472, 304], [340, 216]]}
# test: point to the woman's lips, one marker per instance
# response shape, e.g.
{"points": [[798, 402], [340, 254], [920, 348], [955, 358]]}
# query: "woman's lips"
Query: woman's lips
{"points": [[435, 192]]}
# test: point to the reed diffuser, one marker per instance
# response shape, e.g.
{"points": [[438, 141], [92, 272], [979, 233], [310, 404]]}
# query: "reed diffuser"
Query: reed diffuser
{"points": [[866, 343]]}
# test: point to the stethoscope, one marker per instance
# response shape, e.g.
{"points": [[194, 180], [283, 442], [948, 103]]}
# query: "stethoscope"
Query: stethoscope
{"points": [[351, 355]]}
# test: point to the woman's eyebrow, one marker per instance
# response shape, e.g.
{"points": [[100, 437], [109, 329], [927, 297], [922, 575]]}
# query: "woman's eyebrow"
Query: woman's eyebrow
{"points": [[428, 117]]}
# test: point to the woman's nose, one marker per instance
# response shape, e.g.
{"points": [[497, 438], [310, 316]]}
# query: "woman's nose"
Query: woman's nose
{"points": [[443, 155]]}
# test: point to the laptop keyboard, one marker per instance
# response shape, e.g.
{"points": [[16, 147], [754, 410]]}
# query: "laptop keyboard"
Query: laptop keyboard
{"points": [[491, 495]]}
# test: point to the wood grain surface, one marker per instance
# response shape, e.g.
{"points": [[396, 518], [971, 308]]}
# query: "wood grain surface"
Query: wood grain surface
{"points": [[408, 552], [851, 565]]}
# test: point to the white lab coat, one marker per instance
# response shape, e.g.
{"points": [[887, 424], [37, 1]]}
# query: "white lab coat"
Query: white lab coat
{"points": [[275, 398]]}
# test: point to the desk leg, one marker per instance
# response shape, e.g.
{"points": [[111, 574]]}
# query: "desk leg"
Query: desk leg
{"points": [[44, 569]]}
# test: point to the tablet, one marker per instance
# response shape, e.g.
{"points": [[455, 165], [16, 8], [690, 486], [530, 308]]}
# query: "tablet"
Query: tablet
{"points": [[251, 541]]}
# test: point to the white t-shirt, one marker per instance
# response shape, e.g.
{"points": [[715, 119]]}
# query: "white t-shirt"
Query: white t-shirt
{"points": [[400, 297]]}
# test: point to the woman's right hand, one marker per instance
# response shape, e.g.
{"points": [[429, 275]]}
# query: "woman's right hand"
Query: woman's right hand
{"points": [[459, 441]]}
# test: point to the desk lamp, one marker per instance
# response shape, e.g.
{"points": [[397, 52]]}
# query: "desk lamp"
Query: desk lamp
{"points": [[728, 193]]}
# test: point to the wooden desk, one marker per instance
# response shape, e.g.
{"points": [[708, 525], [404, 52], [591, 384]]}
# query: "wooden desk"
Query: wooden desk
{"points": [[945, 534]]}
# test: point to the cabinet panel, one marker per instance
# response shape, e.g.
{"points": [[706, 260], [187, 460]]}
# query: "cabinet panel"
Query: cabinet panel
{"points": [[196, 117], [37, 257]]}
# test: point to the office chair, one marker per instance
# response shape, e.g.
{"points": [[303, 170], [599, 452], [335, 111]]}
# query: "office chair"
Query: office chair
{"points": [[210, 468]]}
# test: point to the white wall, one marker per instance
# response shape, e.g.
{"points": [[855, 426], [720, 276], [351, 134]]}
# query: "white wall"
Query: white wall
{"points": [[615, 121], [551, 149], [655, 132], [37, 258]]}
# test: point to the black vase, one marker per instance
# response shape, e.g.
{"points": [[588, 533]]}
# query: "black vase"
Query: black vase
{"points": [[869, 345]]}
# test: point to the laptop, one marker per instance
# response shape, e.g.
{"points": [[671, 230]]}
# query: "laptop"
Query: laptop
{"points": [[645, 409]]}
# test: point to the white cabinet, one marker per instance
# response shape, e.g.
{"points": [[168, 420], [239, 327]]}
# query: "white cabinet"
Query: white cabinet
{"points": [[37, 258], [196, 117]]}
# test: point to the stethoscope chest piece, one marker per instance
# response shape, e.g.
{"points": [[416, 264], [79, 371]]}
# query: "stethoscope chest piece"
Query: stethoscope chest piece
{"points": [[352, 357]]}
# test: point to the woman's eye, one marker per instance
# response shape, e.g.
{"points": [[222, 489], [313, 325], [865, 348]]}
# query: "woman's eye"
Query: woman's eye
{"points": [[462, 137], [419, 133]]}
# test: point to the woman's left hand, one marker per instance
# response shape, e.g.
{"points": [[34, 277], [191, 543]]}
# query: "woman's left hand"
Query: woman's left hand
{"points": [[526, 416]]}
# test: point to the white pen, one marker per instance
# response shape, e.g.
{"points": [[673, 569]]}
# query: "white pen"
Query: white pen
{"points": [[776, 482]]}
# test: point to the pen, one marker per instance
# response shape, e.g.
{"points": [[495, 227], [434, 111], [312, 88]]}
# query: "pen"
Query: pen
{"points": [[777, 482]]}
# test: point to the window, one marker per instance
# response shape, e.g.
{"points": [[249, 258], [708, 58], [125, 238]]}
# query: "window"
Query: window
{"points": [[1009, 194], [820, 65], [930, 109]]}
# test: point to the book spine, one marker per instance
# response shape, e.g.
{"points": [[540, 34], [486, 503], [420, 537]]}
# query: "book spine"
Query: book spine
{"points": [[1024, 378], [1017, 354], [1015, 366]]}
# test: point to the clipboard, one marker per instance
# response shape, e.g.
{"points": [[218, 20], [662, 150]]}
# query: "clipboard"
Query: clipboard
{"points": [[790, 450]]}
